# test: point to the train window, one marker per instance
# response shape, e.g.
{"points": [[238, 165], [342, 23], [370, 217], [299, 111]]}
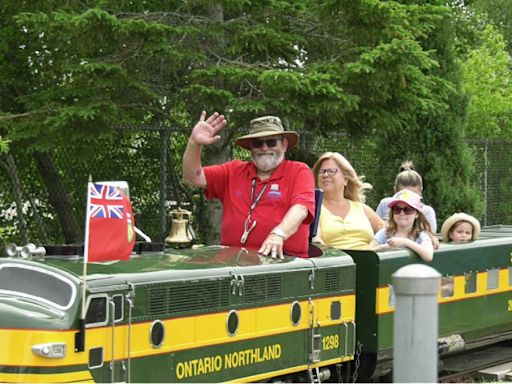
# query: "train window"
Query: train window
{"points": [[232, 323], [157, 334], [493, 278], [335, 310], [96, 357], [97, 311], [295, 313], [510, 276], [447, 286], [470, 282], [119, 307], [37, 284]]}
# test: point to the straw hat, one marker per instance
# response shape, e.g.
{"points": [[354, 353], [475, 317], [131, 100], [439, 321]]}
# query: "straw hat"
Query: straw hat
{"points": [[267, 126], [456, 217], [408, 197]]}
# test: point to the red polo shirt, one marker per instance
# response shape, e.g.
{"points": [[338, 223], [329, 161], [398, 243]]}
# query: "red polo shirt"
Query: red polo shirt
{"points": [[291, 183]]}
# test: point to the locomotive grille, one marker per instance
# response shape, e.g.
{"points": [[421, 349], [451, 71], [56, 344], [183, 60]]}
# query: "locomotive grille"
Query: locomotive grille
{"points": [[332, 281], [261, 288], [204, 296]]}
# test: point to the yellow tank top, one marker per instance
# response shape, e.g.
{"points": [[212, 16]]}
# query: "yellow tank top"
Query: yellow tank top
{"points": [[353, 232]]}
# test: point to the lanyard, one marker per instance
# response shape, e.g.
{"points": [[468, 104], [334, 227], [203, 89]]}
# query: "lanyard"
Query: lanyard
{"points": [[249, 223]]}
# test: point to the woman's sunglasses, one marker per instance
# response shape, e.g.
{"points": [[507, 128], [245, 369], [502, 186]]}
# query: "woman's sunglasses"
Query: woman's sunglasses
{"points": [[405, 210], [258, 143]]}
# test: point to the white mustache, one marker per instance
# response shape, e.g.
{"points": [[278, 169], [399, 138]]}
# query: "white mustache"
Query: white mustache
{"points": [[267, 161]]}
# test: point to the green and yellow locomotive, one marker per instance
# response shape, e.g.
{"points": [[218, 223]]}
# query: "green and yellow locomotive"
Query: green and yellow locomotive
{"points": [[205, 315], [227, 314]]}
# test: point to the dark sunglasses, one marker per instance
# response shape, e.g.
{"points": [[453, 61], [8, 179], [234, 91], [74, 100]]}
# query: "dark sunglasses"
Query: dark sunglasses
{"points": [[406, 210], [258, 143]]}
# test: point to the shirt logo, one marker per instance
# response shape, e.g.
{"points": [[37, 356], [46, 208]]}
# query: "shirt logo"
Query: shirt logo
{"points": [[274, 192]]}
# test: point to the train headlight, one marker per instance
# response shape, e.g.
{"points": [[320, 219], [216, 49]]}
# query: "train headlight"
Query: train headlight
{"points": [[50, 350]]}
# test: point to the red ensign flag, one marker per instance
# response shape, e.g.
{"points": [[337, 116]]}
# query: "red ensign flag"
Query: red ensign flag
{"points": [[110, 233]]}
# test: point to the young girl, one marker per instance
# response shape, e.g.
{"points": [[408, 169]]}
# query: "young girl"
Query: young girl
{"points": [[460, 227], [407, 227]]}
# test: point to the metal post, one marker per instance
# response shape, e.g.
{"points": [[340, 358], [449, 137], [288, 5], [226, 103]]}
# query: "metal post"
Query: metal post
{"points": [[164, 156], [415, 324]]}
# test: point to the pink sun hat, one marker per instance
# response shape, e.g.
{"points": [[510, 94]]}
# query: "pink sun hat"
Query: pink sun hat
{"points": [[408, 197]]}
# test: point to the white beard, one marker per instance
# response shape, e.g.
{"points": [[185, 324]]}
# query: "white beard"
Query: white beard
{"points": [[267, 162]]}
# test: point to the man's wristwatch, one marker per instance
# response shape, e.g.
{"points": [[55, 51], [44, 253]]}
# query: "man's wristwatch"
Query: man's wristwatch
{"points": [[278, 232]]}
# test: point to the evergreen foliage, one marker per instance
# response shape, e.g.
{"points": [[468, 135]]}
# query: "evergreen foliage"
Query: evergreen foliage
{"points": [[95, 84]]}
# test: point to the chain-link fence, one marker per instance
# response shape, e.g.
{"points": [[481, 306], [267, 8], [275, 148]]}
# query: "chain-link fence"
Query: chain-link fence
{"points": [[162, 150], [494, 168]]}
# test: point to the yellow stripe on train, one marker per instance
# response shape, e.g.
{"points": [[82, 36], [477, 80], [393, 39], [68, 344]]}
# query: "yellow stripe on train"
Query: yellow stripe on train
{"points": [[79, 377], [382, 300], [181, 333], [299, 368]]}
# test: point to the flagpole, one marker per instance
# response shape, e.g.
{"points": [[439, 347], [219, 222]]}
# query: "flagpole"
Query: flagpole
{"points": [[80, 336], [86, 245]]}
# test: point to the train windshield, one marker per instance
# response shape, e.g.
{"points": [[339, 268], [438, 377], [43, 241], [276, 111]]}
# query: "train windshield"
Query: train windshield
{"points": [[37, 284]]}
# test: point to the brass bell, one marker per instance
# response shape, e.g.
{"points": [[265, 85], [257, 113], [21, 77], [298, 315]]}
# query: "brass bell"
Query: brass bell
{"points": [[180, 235]]}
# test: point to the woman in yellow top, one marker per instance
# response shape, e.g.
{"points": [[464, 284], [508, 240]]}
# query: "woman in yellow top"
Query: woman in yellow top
{"points": [[345, 221]]}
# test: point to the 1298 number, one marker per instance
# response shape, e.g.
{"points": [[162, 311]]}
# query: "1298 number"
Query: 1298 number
{"points": [[330, 342]]}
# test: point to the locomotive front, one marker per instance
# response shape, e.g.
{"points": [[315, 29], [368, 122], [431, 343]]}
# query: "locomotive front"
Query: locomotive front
{"points": [[205, 315], [38, 311]]}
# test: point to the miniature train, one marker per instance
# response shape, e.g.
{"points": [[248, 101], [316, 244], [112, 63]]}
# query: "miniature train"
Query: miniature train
{"points": [[227, 314]]}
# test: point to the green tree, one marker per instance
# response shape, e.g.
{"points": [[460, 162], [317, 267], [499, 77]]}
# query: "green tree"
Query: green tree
{"points": [[69, 74], [496, 12], [487, 81], [4, 145], [404, 72], [72, 71]]}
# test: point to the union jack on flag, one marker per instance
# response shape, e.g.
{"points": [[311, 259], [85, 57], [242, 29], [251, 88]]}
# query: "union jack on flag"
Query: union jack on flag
{"points": [[106, 202], [109, 226]]}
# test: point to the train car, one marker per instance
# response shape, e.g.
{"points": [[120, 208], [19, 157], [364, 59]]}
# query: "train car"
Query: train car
{"points": [[475, 303], [227, 314], [196, 315]]}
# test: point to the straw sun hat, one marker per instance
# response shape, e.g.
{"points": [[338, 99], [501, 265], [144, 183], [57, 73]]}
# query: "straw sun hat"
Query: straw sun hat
{"points": [[267, 126], [456, 217]]}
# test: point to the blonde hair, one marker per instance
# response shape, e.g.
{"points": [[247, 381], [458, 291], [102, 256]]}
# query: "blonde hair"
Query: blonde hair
{"points": [[406, 166], [355, 188], [408, 178]]}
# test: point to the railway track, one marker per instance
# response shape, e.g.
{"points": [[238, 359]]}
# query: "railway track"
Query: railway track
{"points": [[487, 363]]}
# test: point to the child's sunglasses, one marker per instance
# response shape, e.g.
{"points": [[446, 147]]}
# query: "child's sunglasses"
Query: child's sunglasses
{"points": [[405, 210]]}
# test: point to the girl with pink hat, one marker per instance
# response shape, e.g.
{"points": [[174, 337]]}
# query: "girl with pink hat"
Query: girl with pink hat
{"points": [[407, 227]]}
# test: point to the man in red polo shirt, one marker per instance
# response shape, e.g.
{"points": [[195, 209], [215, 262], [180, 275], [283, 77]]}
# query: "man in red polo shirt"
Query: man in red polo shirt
{"points": [[268, 203]]}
